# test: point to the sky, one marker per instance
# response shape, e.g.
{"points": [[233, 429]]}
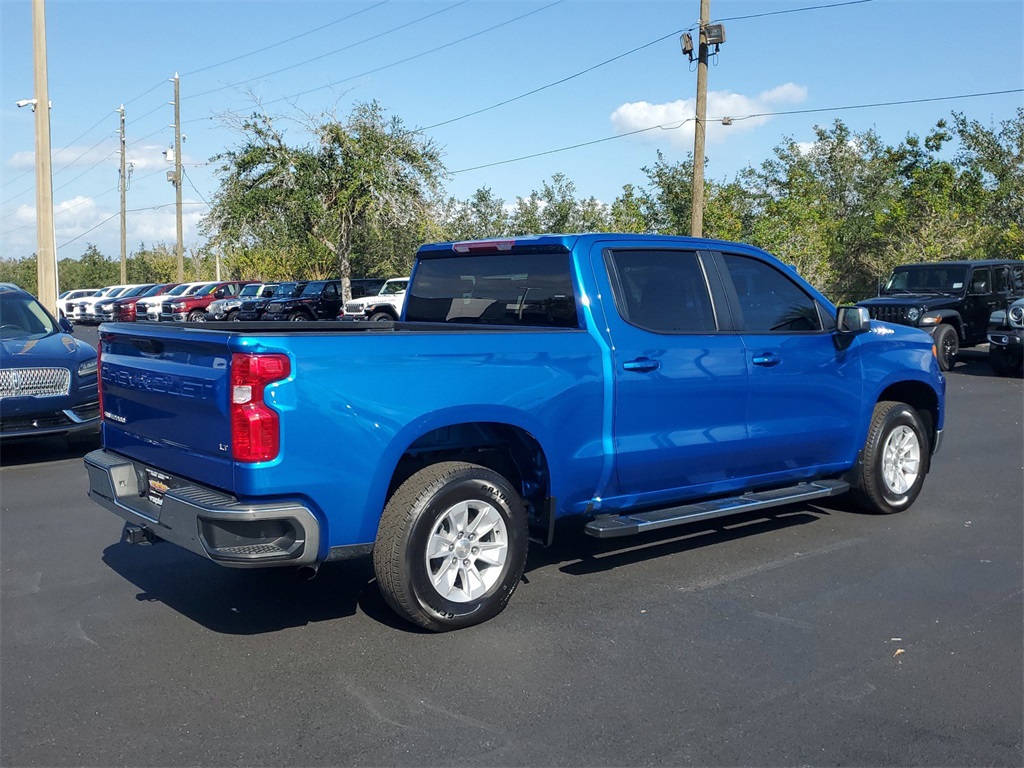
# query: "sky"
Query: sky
{"points": [[512, 91]]}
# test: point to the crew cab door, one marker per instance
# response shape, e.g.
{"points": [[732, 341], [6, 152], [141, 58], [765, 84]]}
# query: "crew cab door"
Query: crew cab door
{"points": [[680, 386], [806, 393]]}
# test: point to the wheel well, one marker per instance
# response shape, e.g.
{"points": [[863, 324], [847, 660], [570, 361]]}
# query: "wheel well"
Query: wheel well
{"points": [[921, 398], [508, 450]]}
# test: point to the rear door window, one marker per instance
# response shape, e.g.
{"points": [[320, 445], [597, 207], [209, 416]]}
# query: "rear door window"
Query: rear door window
{"points": [[662, 291]]}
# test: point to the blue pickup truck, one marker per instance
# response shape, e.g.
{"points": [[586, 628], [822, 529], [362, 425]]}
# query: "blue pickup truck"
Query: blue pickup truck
{"points": [[627, 382]]}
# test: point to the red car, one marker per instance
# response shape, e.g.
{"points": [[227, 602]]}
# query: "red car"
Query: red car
{"points": [[193, 307], [123, 310]]}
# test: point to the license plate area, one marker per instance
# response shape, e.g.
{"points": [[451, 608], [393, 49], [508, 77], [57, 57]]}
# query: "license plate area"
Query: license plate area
{"points": [[157, 484]]}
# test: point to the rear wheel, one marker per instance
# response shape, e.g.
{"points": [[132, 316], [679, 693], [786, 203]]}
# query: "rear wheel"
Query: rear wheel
{"points": [[947, 343], [451, 547], [894, 461], [1004, 362]]}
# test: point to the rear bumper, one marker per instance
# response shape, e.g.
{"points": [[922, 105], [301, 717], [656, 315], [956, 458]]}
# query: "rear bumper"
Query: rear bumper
{"points": [[209, 523]]}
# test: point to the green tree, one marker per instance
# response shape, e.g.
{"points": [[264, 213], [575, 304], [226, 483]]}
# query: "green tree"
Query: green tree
{"points": [[357, 178], [995, 156]]}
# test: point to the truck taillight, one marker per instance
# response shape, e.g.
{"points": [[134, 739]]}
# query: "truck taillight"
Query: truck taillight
{"points": [[255, 427]]}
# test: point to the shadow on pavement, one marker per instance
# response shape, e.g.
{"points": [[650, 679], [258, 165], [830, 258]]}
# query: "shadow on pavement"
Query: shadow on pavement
{"points": [[37, 450]]}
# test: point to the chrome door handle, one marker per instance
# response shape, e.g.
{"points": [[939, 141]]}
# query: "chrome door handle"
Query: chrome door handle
{"points": [[642, 365]]}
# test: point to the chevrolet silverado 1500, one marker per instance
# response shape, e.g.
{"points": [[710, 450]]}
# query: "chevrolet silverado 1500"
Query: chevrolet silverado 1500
{"points": [[628, 382]]}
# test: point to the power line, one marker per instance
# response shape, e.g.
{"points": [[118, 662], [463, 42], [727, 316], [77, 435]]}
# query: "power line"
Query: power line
{"points": [[553, 84], [794, 10], [330, 53], [675, 126], [283, 42], [116, 215], [400, 61]]}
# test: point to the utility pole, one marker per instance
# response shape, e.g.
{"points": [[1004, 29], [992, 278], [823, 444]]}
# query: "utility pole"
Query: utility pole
{"points": [[697, 203], [178, 175], [124, 191], [46, 242]]}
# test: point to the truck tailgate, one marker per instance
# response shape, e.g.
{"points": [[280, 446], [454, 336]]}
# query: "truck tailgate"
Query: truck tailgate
{"points": [[165, 399]]}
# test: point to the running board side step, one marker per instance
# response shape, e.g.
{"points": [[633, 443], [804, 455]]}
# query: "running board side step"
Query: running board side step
{"points": [[612, 526]]}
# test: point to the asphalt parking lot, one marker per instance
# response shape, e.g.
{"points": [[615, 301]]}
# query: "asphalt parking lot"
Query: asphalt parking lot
{"points": [[815, 635]]}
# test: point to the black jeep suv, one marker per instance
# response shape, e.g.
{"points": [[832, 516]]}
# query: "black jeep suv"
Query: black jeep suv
{"points": [[952, 300], [320, 299], [253, 309]]}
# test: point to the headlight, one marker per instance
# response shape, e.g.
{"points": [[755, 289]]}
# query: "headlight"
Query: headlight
{"points": [[178, 305], [913, 314], [103, 307], [88, 368], [1017, 315]]}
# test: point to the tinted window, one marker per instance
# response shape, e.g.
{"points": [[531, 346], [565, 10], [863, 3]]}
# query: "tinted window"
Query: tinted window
{"points": [[331, 292], [661, 291], [1017, 278], [313, 289], [981, 281], [931, 277], [768, 299], [501, 289]]}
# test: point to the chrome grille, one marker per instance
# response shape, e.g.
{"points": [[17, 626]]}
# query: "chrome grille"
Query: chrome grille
{"points": [[34, 382], [890, 314]]}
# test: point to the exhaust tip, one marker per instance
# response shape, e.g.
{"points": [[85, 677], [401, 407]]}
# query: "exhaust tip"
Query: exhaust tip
{"points": [[308, 572]]}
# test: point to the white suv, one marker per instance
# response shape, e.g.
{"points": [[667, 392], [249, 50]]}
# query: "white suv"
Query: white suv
{"points": [[386, 305]]}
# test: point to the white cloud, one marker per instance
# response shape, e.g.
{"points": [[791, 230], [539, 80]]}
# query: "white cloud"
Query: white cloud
{"points": [[676, 117]]}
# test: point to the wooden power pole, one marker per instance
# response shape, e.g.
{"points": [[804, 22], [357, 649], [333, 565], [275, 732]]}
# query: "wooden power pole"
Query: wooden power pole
{"points": [[178, 176], [46, 243], [124, 191], [697, 203]]}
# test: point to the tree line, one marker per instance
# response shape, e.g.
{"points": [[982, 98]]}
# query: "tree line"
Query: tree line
{"points": [[359, 194]]}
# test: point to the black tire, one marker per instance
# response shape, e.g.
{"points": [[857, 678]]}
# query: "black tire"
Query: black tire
{"points": [[422, 513], [197, 316], [381, 316], [298, 317], [895, 460], [947, 344], [232, 316], [1004, 362]]}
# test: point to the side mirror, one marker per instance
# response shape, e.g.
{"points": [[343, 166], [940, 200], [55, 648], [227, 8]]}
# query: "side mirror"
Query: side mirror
{"points": [[66, 325], [853, 320]]}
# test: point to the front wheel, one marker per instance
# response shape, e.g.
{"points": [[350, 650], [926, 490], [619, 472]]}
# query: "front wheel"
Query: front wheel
{"points": [[233, 316], [1004, 362], [197, 316], [298, 317], [947, 343], [381, 316], [894, 461], [451, 547]]}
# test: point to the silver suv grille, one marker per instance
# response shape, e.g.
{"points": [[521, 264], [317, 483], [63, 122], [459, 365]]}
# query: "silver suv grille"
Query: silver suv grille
{"points": [[34, 382], [353, 309]]}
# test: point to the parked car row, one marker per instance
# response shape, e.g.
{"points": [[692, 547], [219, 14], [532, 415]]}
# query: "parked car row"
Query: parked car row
{"points": [[212, 300]]}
